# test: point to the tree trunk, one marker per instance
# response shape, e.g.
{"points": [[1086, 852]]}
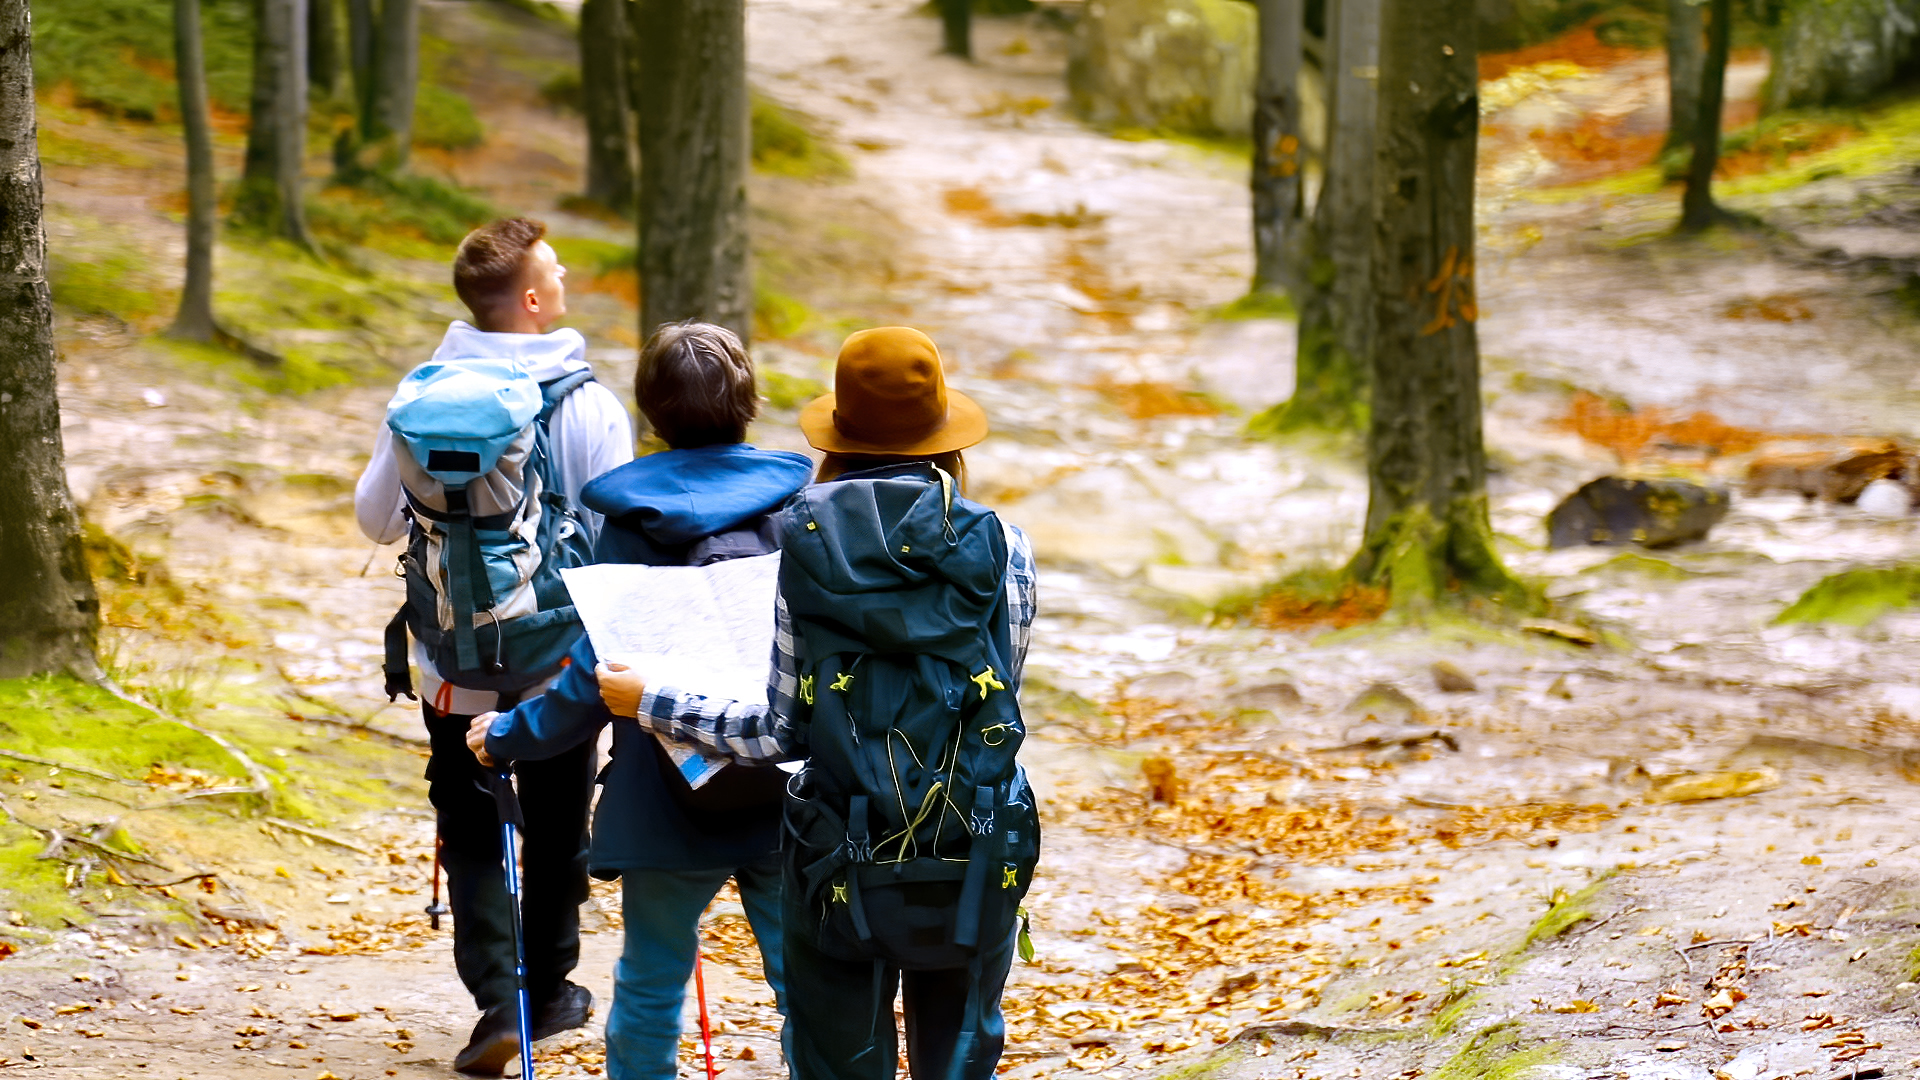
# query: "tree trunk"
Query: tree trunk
{"points": [[360, 17], [195, 319], [603, 93], [692, 107], [388, 121], [1686, 44], [277, 126], [48, 609], [956, 28], [323, 45], [1427, 534], [1277, 148], [1697, 208], [1331, 365]]}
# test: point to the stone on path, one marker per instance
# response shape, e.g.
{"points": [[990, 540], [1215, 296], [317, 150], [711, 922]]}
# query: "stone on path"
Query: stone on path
{"points": [[1449, 679], [1387, 703], [1271, 696], [1651, 513]]}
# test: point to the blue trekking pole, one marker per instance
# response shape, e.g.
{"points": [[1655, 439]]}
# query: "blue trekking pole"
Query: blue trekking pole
{"points": [[507, 804]]}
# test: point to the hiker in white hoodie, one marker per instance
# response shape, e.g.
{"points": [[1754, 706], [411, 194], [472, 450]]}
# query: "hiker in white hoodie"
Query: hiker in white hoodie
{"points": [[510, 279]]}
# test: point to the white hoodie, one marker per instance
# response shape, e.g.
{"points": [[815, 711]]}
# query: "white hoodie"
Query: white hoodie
{"points": [[590, 434]]}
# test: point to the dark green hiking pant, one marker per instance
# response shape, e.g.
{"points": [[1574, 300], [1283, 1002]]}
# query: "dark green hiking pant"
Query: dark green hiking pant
{"points": [[840, 1014], [554, 795]]}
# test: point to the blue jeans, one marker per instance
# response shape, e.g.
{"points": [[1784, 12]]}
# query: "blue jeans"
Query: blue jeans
{"points": [[662, 912]]}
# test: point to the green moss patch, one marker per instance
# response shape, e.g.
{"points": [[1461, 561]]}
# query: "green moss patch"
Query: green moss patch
{"points": [[1494, 1054], [1856, 597], [116, 56], [784, 391], [1564, 912], [444, 119], [788, 143], [66, 720], [117, 282], [1262, 304], [404, 214], [1889, 138]]}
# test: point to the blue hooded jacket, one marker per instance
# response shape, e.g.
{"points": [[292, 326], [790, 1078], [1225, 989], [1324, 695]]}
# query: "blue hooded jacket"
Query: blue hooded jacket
{"points": [[656, 508]]}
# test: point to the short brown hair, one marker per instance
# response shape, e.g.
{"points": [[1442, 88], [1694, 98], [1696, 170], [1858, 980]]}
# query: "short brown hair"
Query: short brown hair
{"points": [[487, 268], [695, 385]]}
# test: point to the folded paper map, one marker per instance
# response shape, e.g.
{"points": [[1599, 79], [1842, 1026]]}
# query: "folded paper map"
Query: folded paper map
{"points": [[706, 630]]}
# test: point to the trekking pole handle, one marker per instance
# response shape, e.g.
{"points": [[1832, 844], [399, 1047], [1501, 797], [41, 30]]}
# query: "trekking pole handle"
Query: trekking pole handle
{"points": [[506, 802]]}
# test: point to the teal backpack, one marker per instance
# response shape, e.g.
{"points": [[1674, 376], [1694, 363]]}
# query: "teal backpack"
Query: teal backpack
{"points": [[911, 835], [491, 528]]}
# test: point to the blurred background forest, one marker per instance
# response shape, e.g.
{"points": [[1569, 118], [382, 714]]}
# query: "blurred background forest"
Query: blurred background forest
{"points": [[1642, 814]]}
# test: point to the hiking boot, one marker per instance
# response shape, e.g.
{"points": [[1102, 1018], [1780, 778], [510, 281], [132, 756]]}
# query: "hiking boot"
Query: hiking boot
{"points": [[568, 1008], [496, 1041]]}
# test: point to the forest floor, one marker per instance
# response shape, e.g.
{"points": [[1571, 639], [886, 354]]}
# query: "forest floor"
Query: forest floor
{"points": [[1275, 848]]}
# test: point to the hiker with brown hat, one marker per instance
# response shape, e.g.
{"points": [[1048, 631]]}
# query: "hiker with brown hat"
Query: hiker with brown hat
{"points": [[901, 630]]}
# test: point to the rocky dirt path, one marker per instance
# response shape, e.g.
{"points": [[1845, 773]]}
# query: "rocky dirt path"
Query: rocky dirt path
{"points": [[1271, 853]]}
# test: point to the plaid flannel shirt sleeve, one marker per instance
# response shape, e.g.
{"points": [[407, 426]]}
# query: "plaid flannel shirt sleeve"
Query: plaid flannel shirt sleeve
{"points": [[749, 734], [1023, 595], [753, 734]]}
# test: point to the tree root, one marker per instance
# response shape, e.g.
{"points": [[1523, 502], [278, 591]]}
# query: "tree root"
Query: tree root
{"points": [[70, 767], [257, 783], [293, 827]]}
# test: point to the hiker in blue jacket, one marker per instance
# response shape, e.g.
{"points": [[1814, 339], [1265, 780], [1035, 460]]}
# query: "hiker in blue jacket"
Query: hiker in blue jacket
{"points": [[891, 416], [707, 497]]}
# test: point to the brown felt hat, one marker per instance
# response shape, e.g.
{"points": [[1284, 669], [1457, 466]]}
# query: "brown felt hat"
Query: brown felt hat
{"points": [[891, 398]]}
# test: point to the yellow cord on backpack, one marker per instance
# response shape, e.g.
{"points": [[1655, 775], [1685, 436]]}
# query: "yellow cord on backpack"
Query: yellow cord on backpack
{"points": [[843, 683], [806, 689], [986, 681]]}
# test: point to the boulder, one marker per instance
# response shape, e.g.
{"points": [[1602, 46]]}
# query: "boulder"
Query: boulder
{"points": [[1833, 52], [1837, 474], [1174, 65], [1651, 513]]}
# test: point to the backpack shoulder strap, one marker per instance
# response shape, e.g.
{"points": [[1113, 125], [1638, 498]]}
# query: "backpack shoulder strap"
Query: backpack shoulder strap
{"points": [[554, 391]]}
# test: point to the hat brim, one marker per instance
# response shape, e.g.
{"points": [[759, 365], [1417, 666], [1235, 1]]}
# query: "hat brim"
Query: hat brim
{"points": [[966, 425]]}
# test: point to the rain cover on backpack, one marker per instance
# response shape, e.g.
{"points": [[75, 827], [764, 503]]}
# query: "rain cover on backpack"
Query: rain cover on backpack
{"points": [[491, 528], [912, 832]]}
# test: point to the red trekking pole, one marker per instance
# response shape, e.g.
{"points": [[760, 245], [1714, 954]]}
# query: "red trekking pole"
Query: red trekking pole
{"points": [[706, 1029], [436, 909]]}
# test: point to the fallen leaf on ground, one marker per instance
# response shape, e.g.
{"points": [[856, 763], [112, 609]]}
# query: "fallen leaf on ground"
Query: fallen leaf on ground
{"points": [[1695, 787]]}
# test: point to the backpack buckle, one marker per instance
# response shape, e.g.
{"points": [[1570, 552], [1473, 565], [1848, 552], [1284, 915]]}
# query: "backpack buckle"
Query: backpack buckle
{"points": [[980, 821], [858, 845]]}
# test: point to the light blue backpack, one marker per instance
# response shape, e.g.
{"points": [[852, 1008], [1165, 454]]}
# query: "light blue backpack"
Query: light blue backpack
{"points": [[491, 527]]}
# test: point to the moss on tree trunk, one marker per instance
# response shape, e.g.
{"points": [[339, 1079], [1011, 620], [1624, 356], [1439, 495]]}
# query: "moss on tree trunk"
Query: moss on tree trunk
{"points": [[48, 609], [1427, 534], [1331, 367], [1698, 211], [270, 194]]}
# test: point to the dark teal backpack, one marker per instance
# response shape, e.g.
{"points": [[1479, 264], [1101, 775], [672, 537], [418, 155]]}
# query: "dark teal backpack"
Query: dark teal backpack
{"points": [[911, 835], [491, 528]]}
